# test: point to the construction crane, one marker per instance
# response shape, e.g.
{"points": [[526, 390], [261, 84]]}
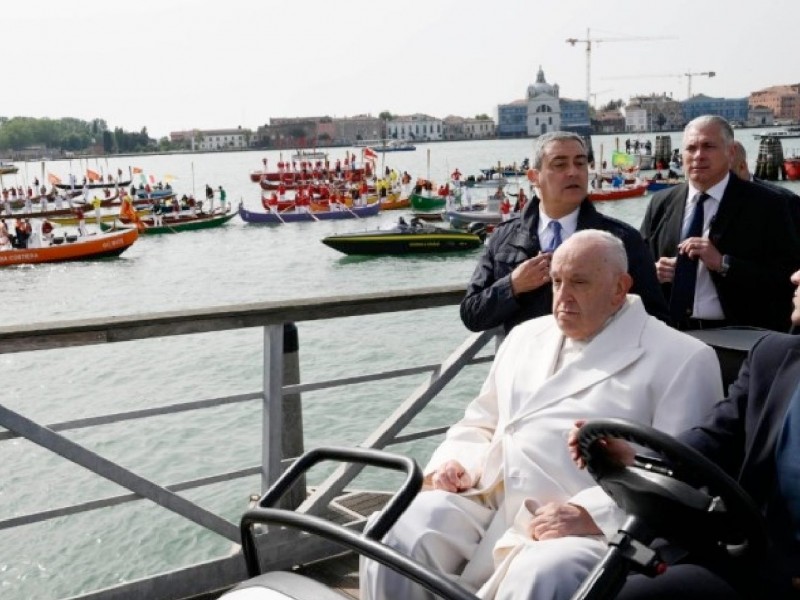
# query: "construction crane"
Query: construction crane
{"points": [[589, 40], [688, 75]]}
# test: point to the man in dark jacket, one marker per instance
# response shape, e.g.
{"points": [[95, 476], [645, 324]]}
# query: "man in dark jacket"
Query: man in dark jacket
{"points": [[511, 282]]}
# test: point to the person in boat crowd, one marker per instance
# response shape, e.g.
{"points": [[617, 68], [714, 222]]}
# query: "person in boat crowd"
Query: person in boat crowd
{"points": [[97, 205], [81, 221], [754, 436], [511, 282], [22, 231], [504, 511], [519, 205], [47, 233], [6, 241], [725, 248], [157, 209], [223, 198], [210, 198], [505, 208]]}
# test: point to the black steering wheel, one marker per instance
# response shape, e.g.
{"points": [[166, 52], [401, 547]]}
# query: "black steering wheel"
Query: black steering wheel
{"points": [[684, 498]]}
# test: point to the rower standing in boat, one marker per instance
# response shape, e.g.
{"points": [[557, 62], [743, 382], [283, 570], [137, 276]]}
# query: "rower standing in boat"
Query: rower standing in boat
{"points": [[223, 198], [97, 204], [81, 221], [5, 237], [210, 198]]}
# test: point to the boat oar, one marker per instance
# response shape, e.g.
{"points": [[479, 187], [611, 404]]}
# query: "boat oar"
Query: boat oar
{"points": [[348, 209]]}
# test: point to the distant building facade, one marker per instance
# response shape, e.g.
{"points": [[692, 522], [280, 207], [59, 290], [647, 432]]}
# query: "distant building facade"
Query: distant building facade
{"points": [[609, 121], [459, 128], [351, 130], [760, 116], [734, 110], [783, 100], [544, 108], [541, 111], [293, 132], [512, 119], [661, 113], [417, 127], [575, 116], [222, 139]]}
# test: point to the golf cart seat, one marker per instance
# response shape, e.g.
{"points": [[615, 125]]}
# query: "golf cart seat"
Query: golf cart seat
{"points": [[280, 585]]}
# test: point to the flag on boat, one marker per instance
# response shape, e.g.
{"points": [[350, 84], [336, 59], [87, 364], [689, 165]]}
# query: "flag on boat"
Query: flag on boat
{"points": [[126, 211], [624, 160], [136, 170], [169, 177], [92, 175], [152, 178], [53, 179], [370, 154]]}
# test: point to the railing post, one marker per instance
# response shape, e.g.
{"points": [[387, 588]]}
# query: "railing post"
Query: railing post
{"points": [[282, 429], [292, 412], [272, 413]]}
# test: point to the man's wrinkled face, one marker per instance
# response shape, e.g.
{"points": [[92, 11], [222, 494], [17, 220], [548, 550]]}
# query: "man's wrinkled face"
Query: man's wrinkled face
{"points": [[586, 290]]}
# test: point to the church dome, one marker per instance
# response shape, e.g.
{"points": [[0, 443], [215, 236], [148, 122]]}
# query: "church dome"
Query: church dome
{"points": [[541, 87]]}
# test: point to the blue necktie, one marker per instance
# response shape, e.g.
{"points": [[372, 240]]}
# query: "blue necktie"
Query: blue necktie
{"points": [[681, 301], [787, 465], [555, 229]]}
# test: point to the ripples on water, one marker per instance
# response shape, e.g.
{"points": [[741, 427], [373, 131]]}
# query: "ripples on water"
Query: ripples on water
{"points": [[235, 264]]}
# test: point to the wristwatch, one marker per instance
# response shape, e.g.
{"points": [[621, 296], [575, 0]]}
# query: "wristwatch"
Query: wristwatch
{"points": [[726, 265]]}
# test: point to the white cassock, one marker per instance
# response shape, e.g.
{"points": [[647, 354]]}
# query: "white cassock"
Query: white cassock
{"points": [[512, 441]]}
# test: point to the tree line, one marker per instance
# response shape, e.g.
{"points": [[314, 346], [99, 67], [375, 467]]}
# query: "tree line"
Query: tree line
{"points": [[70, 135]]}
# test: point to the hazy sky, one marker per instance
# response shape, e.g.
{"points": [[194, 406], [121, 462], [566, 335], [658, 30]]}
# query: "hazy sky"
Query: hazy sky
{"points": [[179, 64]]}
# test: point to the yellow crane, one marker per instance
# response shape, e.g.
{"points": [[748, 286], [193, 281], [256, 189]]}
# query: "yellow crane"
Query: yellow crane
{"points": [[589, 40]]}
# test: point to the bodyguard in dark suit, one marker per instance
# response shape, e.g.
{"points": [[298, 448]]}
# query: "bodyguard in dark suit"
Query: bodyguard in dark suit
{"points": [[741, 261], [511, 282]]}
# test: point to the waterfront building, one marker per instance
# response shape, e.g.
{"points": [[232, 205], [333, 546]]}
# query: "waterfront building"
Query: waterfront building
{"points": [[608, 121], [544, 108], [459, 128], [417, 127], [512, 119], [734, 110], [351, 130], [783, 100], [661, 113], [575, 116], [296, 132], [760, 116], [221, 139]]}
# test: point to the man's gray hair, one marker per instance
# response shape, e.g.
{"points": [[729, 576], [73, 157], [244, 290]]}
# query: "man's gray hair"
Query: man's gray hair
{"points": [[610, 245], [705, 120], [553, 136]]}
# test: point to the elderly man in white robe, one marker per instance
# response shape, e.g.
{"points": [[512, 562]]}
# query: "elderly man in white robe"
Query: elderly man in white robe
{"points": [[505, 512]]}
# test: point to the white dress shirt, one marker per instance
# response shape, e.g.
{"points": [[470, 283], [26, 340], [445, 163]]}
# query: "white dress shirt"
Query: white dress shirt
{"points": [[569, 223], [706, 300]]}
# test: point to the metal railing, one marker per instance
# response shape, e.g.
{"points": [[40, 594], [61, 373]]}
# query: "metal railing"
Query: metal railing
{"points": [[284, 549]]}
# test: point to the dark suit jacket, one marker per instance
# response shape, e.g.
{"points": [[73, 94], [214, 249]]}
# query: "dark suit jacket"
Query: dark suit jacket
{"points": [[741, 434], [756, 229], [489, 301]]}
